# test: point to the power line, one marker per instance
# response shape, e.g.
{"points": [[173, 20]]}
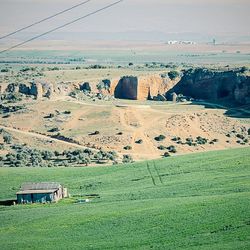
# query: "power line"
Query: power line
{"points": [[45, 19], [62, 26]]}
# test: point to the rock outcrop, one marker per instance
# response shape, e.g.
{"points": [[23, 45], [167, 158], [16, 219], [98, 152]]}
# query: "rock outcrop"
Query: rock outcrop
{"points": [[214, 85], [141, 88], [85, 87], [36, 89]]}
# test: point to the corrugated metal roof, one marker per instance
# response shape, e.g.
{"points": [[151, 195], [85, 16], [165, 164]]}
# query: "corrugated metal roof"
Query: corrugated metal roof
{"points": [[37, 191], [40, 186]]}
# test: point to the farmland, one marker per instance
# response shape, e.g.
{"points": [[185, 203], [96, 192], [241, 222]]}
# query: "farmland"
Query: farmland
{"points": [[196, 201]]}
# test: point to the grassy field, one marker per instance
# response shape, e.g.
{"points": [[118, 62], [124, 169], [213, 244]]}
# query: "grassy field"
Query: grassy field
{"points": [[198, 201]]}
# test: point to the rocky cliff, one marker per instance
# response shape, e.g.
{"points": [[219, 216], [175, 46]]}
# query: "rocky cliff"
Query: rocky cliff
{"points": [[214, 85], [141, 88], [38, 89]]}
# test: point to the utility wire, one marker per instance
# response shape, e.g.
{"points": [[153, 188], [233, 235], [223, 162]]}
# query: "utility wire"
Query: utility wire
{"points": [[45, 19], [62, 26]]}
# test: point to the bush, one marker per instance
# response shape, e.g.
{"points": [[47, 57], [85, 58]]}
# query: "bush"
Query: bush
{"points": [[49, 116], [160, 138], [53, 130], [7, 139], [172, 149], [140, 141], [127, 147], [240, 136], [4, 70], [127, 159], [200, 140], [95, 133], [173, 74], [176, 139], [47, 155], [166, 154], [161, 147]]}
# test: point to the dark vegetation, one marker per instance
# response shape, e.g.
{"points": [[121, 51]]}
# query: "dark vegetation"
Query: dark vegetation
{"points": [[23, 156], [173, 74], [160, 138]]}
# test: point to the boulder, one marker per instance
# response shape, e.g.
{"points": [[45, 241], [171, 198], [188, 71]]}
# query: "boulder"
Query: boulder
{"points": [[85, 87]]}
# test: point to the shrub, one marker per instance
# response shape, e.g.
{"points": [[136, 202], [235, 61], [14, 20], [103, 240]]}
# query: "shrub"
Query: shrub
{"points": [[128, 147], [4, 70], [160, 138], [127, 159], [47, 155], [200, 140], [248, 131], [240, 136], [7, 138], [172, 149], [176, 139], [243, 69], [161, 147], [53, 130], [166, 154], [140, 141], [173, 74], [95, 133], [50, 116]]}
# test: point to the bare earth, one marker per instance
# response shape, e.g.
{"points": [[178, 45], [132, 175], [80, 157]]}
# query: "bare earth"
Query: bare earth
{"points": [[122, 123]]}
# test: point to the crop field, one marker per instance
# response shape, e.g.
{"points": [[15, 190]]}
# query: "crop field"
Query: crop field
{"points": [[196, 201]]}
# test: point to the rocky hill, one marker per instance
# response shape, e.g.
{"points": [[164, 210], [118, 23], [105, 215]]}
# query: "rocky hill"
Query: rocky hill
{"points": [[141, 88], [214, 85]]}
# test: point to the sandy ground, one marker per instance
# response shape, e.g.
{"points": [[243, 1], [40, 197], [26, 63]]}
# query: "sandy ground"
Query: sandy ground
{"points": [[122, 123]]}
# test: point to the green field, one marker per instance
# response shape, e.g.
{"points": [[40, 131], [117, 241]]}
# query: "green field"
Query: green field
{"points": [[198, 201]]}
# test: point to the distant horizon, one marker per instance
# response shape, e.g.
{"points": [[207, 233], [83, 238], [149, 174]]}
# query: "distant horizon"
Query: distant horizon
{"points": [[195, 20]]}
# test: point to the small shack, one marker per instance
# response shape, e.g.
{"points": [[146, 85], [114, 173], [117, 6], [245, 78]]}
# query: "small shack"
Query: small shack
{"points": [[41, 192]]}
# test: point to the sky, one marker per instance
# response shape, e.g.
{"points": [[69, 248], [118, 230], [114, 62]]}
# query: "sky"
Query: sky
{"points": [[203, 17]]}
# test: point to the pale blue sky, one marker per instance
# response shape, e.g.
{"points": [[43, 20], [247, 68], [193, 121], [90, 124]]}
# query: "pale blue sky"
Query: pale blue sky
{"points": [[168, 16]]}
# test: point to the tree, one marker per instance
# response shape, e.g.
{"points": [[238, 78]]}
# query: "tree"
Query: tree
{"points": [[47, 155]]}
